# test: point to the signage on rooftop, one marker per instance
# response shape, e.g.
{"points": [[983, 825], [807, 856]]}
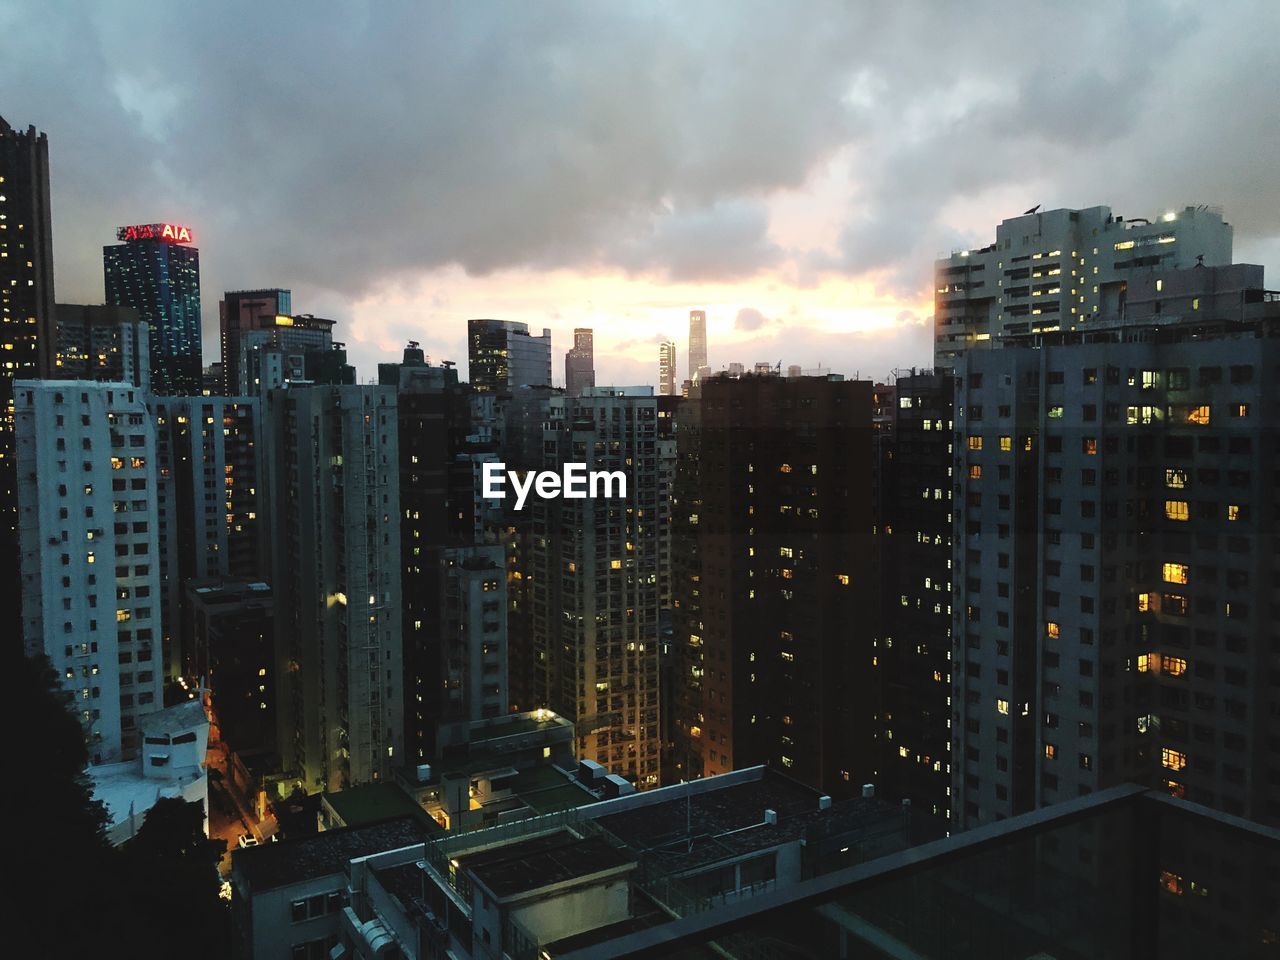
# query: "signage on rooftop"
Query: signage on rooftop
{"points": [[167, 232]]}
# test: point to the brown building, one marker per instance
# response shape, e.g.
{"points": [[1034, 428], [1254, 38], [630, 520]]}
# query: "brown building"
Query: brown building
{"points": [[776, 606]]}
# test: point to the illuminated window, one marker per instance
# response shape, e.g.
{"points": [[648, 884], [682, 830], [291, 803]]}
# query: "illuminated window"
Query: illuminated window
{"points": [[1089, 446], [1147, 663], [1240, 410], [785, 468], [975, 443], [1198, 415], [1050, 751], [1177, 510], [1176, 572], [1144, 602], [1052, 630], [788, 656], [1002, 707], [842, 579], [1233, 511], [975, 471], [1175, 605], [1006, 444], [1175, 479], [1173, 759], [1173, 666]]}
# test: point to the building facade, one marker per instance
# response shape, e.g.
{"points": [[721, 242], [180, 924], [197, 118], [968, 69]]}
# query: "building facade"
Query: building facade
{"points": [[1062, 270], [334, 494], [241, 310], [698, 366], [504, 356], [156, 271], [784, 589], [667, 369], [1115, 554], [596, 596], [90, 578], [580, 362], [102, 343], [913, 650]]}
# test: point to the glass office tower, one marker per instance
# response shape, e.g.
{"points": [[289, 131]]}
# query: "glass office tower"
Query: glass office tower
{"points": [[157, 272]]}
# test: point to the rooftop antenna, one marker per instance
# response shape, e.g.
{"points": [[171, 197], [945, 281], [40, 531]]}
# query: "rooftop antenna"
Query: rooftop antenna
{"points": [[1032, 210]]}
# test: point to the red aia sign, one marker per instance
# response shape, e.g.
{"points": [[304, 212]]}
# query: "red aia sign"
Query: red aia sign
{"points": [[168, 232]]}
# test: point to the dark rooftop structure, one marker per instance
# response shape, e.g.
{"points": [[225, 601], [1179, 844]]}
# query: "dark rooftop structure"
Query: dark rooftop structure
{"points": [[372, 803], [294, 861], [539, 862]]}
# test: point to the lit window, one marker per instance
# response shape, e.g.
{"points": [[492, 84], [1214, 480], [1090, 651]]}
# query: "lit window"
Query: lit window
{"points": [[1050, 751], [1089, 446], [1233, 511], [1006, 444], [1052, 630], [975, 443], [1177, 510], [1002, 707], [1144, 602], [975, 471], [1176, 572], [1173, 666], [1173, 759], [1240, 410], [1198, 415], [1175, 479]]}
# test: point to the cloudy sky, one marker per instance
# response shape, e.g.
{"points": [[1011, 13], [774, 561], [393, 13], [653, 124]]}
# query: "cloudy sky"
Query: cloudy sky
{"points": [[791, 167]]}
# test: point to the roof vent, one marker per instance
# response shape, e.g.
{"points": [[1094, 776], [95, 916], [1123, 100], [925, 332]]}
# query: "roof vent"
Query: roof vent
{"points": [[824, 802], [868, 791], [771, 817]]}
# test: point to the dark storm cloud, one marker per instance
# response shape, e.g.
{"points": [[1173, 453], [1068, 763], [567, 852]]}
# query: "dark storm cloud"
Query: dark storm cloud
{"points": [[340, 147]]}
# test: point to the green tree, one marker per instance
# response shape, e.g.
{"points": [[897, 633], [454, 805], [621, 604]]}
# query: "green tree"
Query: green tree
{"points": [[173, 877]]}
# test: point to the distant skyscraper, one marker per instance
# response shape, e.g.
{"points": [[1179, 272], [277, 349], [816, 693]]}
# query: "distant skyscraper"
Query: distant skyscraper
{"points": [[156, 271], [503, 356], [667, 369], [697, 343], [26, 314], [335, 505], [579, 363], [782, 602], [1061, 270], [97, 342], [242, 310], [90, 582], [596, 594]]}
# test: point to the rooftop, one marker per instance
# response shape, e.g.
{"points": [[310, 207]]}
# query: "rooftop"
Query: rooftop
{"points": [[693, 827], [374, 802], [306, 858], [176, 719], [542, 861]]}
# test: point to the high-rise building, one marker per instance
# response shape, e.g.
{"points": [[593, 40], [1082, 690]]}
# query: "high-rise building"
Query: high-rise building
{"points": [[102, 343], [87, 473], [156, 271], [334, 497], [26, 314], [580, 362], [231, 624], [784, 590], [211, 498], [913, 649], [294, 343], [667, 369], [1061, 270], [26, 240], [595, 568], [1115, 555], [503, 356], [453, 582], [242, 310], [697, 343]]}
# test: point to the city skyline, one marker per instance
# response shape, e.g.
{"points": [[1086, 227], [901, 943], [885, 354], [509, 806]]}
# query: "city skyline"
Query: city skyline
{"points": [[816, 250]]}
